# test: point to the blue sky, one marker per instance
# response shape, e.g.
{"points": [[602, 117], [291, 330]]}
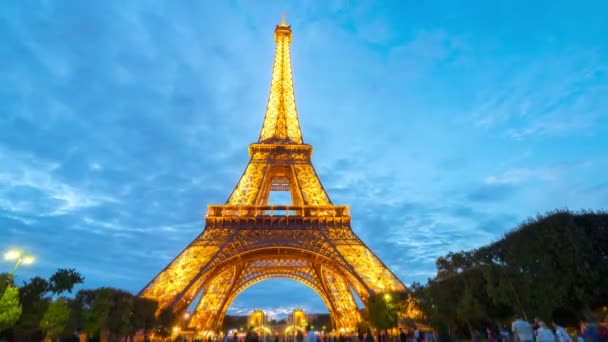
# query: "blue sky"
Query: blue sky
{"points": [[442, 124]]}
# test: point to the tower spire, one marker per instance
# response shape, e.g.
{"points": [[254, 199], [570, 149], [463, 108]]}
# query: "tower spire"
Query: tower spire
{"points": [[281, 124]]}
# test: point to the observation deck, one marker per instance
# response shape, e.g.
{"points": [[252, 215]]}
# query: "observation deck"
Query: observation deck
{"points": [[277, 210]]}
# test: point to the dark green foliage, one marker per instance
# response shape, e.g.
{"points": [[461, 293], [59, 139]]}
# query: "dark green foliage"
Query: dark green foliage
{"points": [[144, 311], [96, 312], [101, 311], [55, 318], [116, 312], [383, 308], [35, 298], [64, 280], [34, 301], [166, 320], [557, 260], [119, 320]]}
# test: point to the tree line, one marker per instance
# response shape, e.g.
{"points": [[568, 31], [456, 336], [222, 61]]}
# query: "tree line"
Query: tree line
{"points": [[40, 309], [554, 267]]}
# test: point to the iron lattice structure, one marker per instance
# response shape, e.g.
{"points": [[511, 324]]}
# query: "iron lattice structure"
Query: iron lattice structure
{"points": [[247, 241]]}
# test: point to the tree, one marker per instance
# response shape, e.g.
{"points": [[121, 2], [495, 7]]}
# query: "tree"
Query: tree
{"points": [[119, 320], [383, 309], [55, 318], [557, 260], [97, 311], [63, 280], [35, 297], [34, 304], [469, 309], [10, 308], [144, 313], [166, 320]]}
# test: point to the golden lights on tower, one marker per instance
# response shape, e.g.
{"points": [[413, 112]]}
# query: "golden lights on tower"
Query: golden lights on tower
{"points": [[246, 240]]}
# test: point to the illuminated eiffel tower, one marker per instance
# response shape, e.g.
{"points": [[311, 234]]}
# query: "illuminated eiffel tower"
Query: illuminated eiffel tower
{"points": [[246, 241]]}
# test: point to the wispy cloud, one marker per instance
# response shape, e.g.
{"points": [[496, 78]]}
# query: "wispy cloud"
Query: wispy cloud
{"points": [[546, 95], [23, 175], [519, 175], [119, 124]]}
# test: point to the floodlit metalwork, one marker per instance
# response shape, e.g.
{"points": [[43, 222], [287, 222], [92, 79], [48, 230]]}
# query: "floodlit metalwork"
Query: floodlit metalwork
{"points": [[246, 240], [281, 122]]}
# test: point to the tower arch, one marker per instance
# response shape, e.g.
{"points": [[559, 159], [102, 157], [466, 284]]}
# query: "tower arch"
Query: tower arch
{"points": [[332, 282]]}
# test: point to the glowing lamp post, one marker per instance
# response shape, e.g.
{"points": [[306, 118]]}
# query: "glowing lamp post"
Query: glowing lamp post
{"points": [[387, 299], [19, 258]]}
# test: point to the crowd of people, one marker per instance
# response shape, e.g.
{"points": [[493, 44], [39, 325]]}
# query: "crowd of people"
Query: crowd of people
{"points": [[521, 331], [539, 331]]}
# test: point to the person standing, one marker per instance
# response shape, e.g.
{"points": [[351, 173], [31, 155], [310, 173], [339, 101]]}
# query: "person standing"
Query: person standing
{"points": [[310, 335], [522, 329], [490, 334], [562, 334], [543, 333], [402, 335], [591, 332], [535, 326], [504, 334]]}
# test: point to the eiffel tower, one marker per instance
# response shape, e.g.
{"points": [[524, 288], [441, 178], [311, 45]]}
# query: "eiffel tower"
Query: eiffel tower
{"points": [[246, 241]]}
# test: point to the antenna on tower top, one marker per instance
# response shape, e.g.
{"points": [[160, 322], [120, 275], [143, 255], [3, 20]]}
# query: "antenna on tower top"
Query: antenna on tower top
{"points": [[283, 19]]}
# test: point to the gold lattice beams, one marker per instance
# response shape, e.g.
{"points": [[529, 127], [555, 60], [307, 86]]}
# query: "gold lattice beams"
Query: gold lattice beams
{"points": [[178, 274], [281, 121], [248, 186], [340, 291], [253, 187], [374, 273], [252, 270], [215, 293], [273, 274], [240, 244], [258, 253], [308, 182]]}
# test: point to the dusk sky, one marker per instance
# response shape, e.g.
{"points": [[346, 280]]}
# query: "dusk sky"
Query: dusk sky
{"points": [[442, 124]]}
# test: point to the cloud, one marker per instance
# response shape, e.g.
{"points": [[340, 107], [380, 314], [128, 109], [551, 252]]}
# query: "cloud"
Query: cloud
{"points": [[28, 185], [519, 175], [120, 123], [492, 192], [546, 95]]}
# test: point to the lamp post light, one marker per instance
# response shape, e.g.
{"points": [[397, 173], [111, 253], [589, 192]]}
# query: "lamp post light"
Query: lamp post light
{"points": [[19, 258], [388, 308]]}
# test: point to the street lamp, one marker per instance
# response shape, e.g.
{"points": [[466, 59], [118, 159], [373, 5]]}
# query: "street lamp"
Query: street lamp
{"points": [[12, 255]]}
